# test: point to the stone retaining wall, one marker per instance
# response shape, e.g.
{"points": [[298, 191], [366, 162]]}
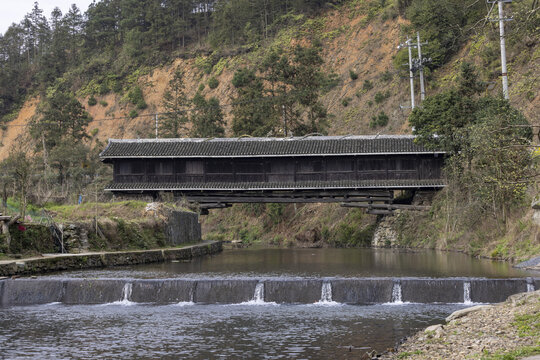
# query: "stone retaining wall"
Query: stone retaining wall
{"points": [[96, 260]]}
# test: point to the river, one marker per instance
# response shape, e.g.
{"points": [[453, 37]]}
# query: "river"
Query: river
{"points": [[201, 327]]}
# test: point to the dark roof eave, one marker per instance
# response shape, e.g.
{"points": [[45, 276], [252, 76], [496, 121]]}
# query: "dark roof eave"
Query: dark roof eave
{"points": [[268, 155]]}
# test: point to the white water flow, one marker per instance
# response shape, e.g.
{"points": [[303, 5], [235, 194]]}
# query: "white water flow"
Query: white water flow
{"points": [[396, 294], [467, 293], [326, 295], [191, 298], [258, 296], [530, 287], [326, 292], [126, 295]]}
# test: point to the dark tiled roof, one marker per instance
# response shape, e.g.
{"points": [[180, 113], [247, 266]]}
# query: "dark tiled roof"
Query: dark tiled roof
{"points": [[346, 184], [243, 147]]}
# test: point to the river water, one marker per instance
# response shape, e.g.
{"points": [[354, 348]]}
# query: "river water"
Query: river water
{"points": [[250, 330]]}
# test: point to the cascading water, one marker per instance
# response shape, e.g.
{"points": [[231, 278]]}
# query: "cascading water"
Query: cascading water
{"points": [[258, 296], [191, 297], [126, 295], [326, 295], [396, 293], [467, 293], [530, 287]]}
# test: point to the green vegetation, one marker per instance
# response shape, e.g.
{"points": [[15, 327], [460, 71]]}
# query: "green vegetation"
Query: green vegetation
{"points": [[528, 325], [269, 96], [353, 75], [407, 354], [378, 120], [512, 355], [213, 83]]}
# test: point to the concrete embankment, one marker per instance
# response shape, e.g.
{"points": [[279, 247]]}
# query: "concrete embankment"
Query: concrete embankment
{"points": [[103, 259]]}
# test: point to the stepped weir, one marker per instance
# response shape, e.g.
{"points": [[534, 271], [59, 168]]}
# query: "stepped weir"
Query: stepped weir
{"points": [[353, 291]]}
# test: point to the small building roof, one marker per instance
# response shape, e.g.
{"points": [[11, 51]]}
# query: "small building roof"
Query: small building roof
{"points": [[264, 147]]}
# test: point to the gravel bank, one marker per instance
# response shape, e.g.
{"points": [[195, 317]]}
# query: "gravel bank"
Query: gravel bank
{"points": [[511, 328]]}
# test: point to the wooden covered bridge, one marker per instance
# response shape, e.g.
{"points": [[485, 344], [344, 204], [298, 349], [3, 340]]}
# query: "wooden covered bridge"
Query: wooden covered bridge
{"points": [[220, 171]]}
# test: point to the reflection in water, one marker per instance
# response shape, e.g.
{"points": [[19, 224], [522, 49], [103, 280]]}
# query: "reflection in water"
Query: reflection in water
{"points": [[317, 263]]}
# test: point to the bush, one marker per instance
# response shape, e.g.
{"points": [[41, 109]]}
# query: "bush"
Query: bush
{"points": [[387, 76], [368, 85], [135, 96], [380, 97], [92, 101], [353, 75], [133, 114], [213, 83], [345, 102], [201, 87], [275, 212], [141, 105], [103, 103], [378, 120]]}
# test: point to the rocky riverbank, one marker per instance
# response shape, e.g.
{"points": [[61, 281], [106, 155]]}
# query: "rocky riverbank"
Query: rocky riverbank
{"points": [[509, 330]]}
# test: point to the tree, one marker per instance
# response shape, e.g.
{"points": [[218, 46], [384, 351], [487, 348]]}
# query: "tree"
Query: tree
{"points": [[287, 87], [489, 163], [175, 104], [253, 113], [20, 168], [443, 118], [207, 118], [61, 116]]}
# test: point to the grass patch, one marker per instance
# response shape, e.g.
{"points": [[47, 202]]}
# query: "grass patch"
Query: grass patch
{"points": [[512, 355], [407, 354], [528, 325]]}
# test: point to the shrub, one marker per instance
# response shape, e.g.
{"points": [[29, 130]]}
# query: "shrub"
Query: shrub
{"points": [[133, 114], [141, 104], [345, 102], [213, 83], [380, 97], [387, 76], [379, 120], [368, 85], [135, 96], [103, 103], [353, 75], [201, 87], [92, 101]]}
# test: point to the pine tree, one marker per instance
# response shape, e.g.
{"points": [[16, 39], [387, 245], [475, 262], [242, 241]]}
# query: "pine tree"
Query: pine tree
{"points": [[207, 118], [175, 105]]}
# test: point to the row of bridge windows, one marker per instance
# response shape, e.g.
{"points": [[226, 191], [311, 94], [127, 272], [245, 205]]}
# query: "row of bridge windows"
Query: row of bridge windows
{"points": [[277, 169]]}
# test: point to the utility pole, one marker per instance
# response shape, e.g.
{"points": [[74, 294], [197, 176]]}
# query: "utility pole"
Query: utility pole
{"points": [[421, 67], [156, 125], [411, 74], [501, 20]]}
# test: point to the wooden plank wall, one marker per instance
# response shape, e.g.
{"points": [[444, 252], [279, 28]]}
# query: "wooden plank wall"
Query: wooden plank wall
{"points": [[278, 169]]}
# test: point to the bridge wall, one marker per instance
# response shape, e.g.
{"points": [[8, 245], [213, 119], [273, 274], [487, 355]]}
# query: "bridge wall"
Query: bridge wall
{"points": [[279, 169]]}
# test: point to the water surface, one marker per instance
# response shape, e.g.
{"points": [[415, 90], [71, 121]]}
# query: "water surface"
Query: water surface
{"points": [[275, 262]]}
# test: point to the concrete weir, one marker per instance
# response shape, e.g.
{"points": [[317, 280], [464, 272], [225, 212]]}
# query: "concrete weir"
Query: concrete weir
{"points": [[20, 292]]}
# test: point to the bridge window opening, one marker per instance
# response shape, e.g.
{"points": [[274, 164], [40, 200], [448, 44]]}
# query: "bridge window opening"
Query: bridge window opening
{"points": [[163, 167]]}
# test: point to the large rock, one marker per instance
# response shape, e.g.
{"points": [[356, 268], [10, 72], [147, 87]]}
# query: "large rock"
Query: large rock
{"points": [[464, 312]]}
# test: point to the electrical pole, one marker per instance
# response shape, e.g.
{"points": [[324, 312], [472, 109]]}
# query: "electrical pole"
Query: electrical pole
{"points": [[421, 67], [504, 70], [411, 74], [156, 126]]}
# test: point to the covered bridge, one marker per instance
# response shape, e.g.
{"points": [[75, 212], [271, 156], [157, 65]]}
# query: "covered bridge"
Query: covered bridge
{"points": [[221, 171]]}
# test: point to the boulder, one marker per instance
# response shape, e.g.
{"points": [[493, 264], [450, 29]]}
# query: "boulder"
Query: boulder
{"points": [[464, 312]]}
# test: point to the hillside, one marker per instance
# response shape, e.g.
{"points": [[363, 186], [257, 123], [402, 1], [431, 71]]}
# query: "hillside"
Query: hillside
{"points": [[359, 41], [354, 40]]}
